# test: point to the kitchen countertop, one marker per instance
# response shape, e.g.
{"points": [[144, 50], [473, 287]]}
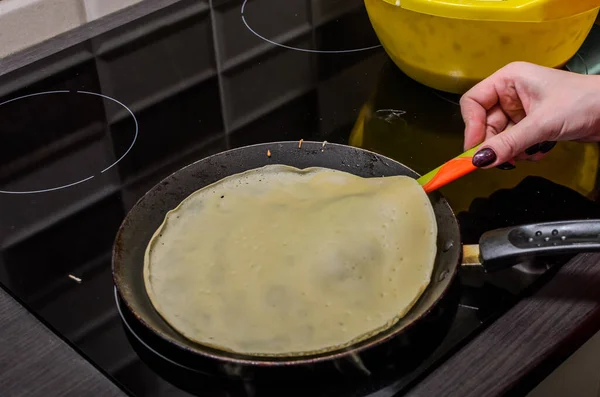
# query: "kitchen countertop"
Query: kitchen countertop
{"points": [[36, 362], [510, 357]]}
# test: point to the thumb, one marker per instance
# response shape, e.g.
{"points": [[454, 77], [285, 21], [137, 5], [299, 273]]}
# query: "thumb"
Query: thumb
{"points": [[508, 144]]}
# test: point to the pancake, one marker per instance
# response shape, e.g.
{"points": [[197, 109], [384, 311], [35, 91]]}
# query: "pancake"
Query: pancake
{"points": [[279, 261]]}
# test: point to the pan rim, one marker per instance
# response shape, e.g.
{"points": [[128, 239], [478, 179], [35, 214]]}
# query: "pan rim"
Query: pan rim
{"points": [[279, 361]]}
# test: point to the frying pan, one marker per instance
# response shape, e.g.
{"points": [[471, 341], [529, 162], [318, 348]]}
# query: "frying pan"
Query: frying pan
{"points": [[497, 249]]}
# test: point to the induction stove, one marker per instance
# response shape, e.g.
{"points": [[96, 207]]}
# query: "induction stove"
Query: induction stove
{"points": [[85, 132]]}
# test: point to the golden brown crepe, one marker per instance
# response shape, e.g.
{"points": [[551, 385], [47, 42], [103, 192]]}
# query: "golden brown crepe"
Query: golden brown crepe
{"points": [[279, 261]]}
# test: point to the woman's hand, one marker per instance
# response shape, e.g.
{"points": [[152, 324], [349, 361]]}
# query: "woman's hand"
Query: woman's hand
{"points": [[523, 109]]}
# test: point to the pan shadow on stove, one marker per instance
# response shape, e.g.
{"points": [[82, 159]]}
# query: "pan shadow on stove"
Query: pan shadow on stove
{"points": [[534, 200], [389, 365]]}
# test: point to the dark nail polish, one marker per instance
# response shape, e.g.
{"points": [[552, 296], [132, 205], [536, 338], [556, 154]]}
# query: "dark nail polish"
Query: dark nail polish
{"points": [[533, 149], [506, 166], [484, 157], [545, 147]]}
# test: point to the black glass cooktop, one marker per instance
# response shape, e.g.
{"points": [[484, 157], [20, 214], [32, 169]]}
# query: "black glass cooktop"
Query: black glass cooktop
{"points": [[85, 132]]}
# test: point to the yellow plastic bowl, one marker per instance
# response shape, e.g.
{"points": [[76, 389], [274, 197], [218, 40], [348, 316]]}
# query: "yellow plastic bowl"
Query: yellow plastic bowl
{"points": [[452, 55]]}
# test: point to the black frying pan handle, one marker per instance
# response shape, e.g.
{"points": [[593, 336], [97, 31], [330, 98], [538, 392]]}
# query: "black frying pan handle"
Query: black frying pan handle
{"points": [[502, 248]]}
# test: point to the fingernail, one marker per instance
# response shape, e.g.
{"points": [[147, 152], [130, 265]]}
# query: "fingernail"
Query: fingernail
{"points": [[533, 149], [506, 166], [484, 157], [545, 147]]}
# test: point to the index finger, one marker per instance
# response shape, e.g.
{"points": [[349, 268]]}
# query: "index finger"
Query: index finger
{"points": [[474, 106]]}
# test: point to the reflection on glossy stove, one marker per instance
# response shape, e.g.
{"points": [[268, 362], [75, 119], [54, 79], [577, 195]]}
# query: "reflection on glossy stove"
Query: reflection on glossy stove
{"points": [[86, 178]]}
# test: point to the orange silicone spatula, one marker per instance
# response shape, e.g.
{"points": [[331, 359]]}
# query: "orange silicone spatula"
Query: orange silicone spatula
{"points": [[449, 171]]}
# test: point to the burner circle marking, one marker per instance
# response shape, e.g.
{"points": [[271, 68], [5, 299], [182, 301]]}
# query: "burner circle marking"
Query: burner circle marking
{"points": [[445, 96], [89, 177], [298, 48]]}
